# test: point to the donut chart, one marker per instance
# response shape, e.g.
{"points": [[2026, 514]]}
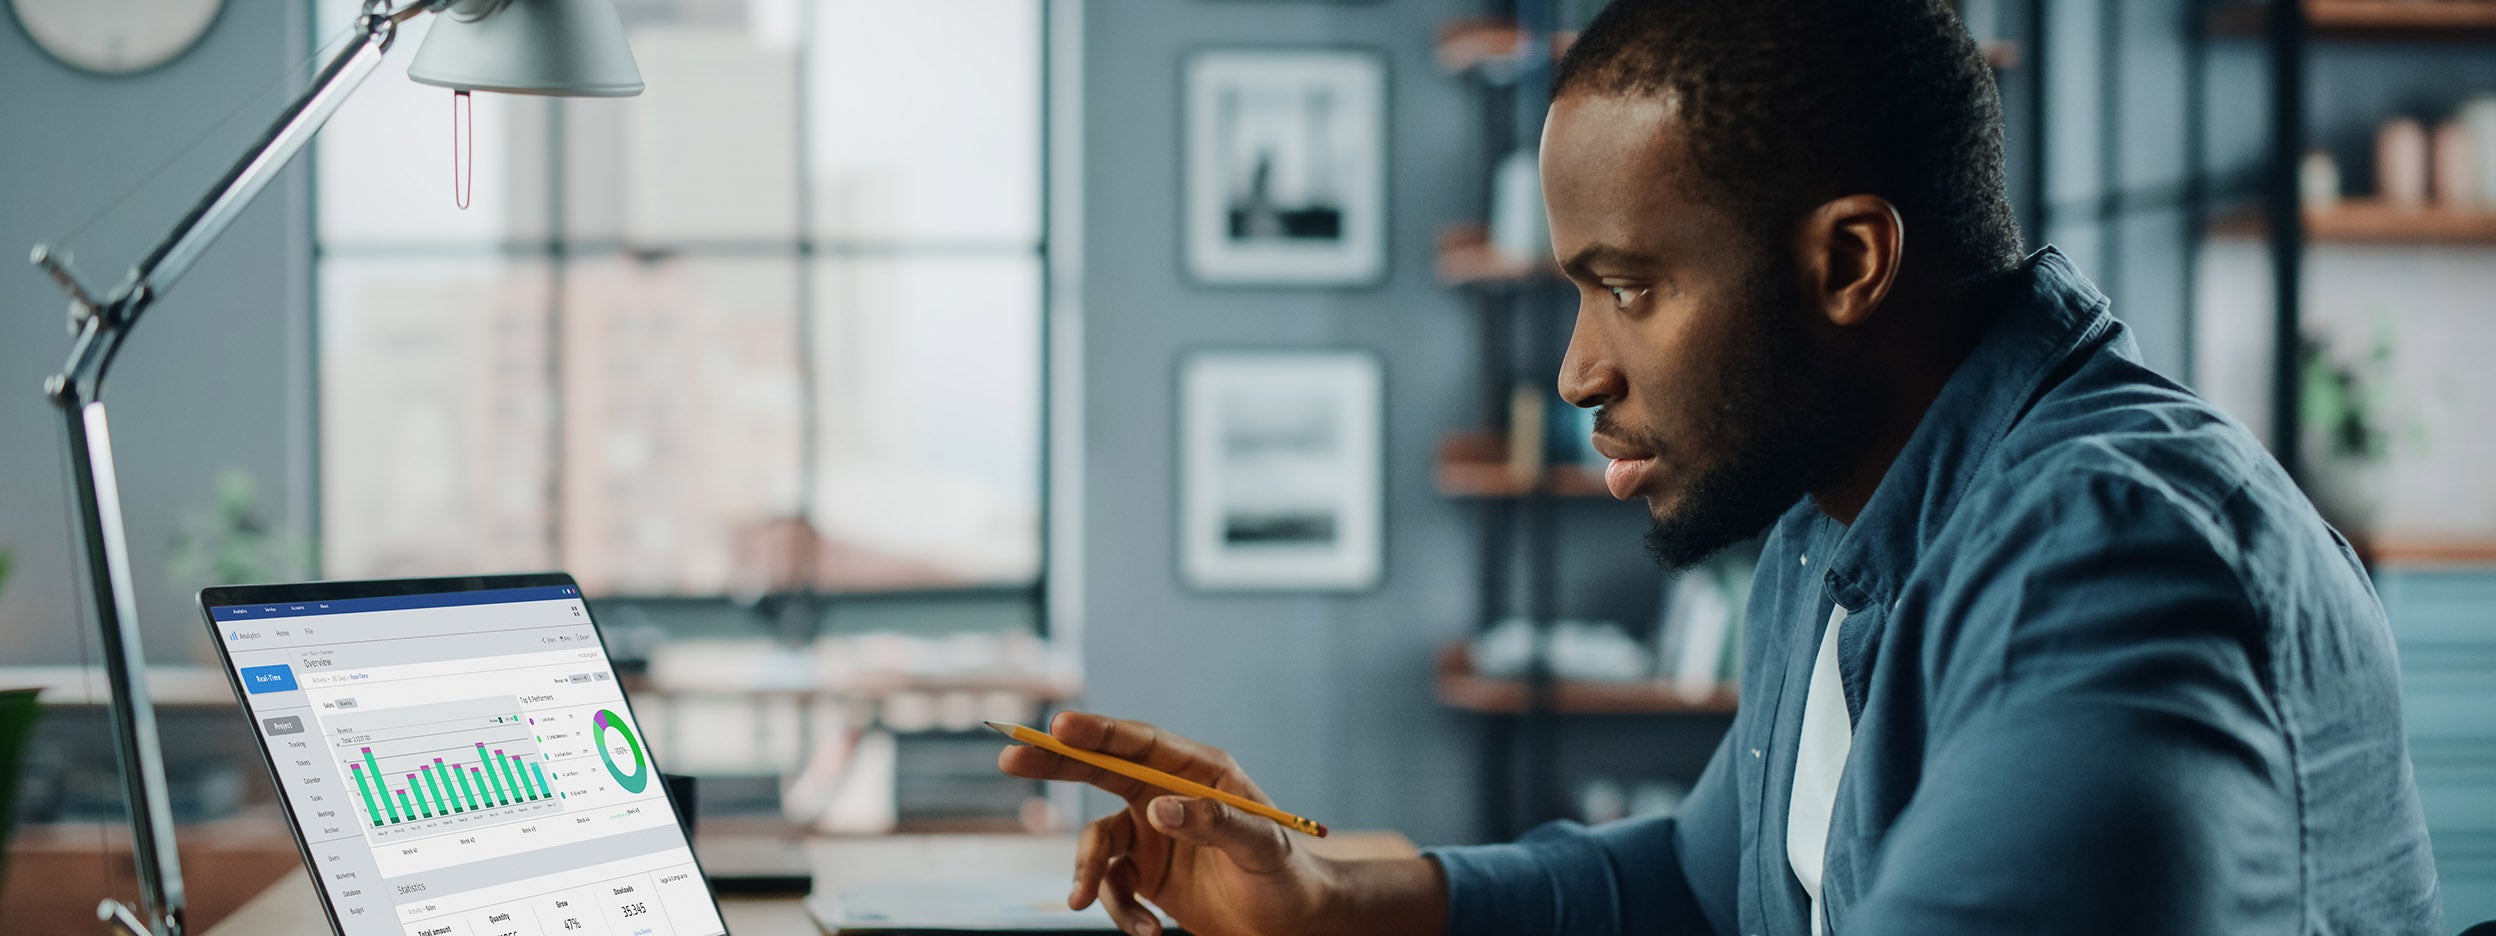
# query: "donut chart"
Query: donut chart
{"points": [[607, 721]]}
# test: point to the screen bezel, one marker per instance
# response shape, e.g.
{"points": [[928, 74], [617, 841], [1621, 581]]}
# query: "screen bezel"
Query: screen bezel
{"points": [[220, 596]]}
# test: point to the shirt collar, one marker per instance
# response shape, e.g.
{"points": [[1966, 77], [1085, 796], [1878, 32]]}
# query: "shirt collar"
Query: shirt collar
{"points": [[2046, 311]]}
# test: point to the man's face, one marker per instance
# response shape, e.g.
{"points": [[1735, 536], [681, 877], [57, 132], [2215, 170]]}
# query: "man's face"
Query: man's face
{"points": [[1725, 394]]}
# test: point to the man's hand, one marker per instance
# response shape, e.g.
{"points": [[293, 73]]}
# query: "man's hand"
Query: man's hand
{"points": [[1215, 869]]}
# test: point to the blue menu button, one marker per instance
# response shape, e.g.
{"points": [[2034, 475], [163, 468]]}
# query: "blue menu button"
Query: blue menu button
{"points": [[259, 679]]}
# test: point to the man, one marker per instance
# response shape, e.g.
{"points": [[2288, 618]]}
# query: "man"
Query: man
{"points": [[2040, 642]]}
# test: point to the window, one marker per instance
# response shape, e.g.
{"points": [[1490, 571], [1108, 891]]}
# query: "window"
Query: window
{"points": [[776, 324]]}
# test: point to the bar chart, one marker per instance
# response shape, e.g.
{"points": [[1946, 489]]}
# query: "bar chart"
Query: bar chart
{"points": [[439, 766]]}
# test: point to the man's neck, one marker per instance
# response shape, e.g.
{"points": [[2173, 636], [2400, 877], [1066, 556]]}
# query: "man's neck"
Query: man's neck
{"points": [[1918, 358]]}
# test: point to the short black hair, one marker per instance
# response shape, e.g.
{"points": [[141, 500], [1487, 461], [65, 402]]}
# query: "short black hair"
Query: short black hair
{"points": [[1793, 102]]}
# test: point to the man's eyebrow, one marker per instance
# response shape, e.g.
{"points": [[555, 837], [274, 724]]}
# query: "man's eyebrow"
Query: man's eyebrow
{"points": [[1578, 264]]}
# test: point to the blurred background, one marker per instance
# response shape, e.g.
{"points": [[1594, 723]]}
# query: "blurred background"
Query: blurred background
{"points": [[843, 367]]}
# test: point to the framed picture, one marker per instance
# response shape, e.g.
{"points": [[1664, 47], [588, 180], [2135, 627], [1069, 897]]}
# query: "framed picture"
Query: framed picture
{"points": [[1286, 167], [1279, 470]]}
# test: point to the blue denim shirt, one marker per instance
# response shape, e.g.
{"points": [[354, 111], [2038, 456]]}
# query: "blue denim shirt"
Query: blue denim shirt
{"points": [[2108, 673]]}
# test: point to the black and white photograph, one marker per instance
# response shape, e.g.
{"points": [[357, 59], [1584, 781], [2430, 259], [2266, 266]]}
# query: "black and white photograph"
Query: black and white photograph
{"points": [[1285, 167], [1279, 470]]}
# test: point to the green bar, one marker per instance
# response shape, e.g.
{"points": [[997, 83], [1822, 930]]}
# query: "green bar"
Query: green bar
{"points": [[450, 791], [501, 797], [537, 770], [366, 790], [434, 785], [380, 787], [464, 789], [417, 790], [403, 804], [521, 768], [518, 795]]}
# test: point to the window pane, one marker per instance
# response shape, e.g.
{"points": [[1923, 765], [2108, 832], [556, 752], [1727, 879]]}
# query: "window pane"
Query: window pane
{"points": [[435, 417], [709, 150], [928, 407], [909, 144], [386, 159], [681, 420]]}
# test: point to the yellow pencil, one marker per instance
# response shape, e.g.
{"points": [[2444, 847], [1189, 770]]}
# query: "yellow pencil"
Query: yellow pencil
{"points": [[1170, 782]]}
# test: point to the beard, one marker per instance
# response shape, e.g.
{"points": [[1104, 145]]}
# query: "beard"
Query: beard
{"points": [[1789, 422]]}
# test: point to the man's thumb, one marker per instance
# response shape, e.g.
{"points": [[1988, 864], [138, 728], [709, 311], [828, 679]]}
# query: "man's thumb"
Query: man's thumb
{"points": [[1255, 843]]}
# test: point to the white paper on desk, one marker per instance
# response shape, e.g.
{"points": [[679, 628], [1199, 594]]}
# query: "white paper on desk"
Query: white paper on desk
{"points": [[974, 905]]}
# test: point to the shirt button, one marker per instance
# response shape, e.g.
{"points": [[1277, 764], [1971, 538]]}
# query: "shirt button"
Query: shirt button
{"points": [[1754, 752], [1806, 560]]}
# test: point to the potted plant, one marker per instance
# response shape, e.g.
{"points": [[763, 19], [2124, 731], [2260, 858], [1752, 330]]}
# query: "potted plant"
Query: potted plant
{"points": [[233, 542], [18, 711], [2347, 430]]}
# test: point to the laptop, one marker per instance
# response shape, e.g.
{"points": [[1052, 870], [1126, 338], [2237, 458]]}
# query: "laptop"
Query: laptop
{"points": [[456, 758]]}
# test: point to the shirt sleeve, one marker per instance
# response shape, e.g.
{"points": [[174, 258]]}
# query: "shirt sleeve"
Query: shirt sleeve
{"points": [[1667, 875], [2103, 755]]}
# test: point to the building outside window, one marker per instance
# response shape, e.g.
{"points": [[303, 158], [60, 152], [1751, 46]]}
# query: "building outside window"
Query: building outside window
{"points": [[773, 325], [756, 355]]}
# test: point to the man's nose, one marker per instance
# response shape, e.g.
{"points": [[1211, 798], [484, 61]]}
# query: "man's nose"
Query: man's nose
{"points": [[1587, 378]]}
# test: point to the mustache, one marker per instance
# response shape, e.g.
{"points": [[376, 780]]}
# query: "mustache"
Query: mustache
{"points": [[1607, 425]]}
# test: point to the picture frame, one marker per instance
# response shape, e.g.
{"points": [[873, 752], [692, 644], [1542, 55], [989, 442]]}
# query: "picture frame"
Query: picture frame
{"points": [[1284, 176], [1281, 470]]}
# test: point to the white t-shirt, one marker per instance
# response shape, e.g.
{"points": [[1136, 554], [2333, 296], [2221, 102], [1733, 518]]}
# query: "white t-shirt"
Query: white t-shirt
{"points": [[1821, 757]]}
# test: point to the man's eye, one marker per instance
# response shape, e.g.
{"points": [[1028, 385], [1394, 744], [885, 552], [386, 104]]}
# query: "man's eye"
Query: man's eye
{"points": [[1625, 296]]}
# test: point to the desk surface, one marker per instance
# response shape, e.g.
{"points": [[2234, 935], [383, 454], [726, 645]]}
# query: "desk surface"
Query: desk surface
{"points": [[290, 907]]}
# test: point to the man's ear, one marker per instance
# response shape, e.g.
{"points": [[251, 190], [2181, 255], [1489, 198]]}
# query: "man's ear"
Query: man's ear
{"points": [[1850, 249]]}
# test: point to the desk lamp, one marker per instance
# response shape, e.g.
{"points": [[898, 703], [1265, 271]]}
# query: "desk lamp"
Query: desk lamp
{"points": [[569, 48]]}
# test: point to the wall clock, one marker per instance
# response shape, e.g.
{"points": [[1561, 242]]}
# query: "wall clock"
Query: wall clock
{"points": [[115, 37]]}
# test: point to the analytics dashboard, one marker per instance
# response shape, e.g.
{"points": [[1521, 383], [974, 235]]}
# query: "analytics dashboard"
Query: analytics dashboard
{"points": [[463, 764]]}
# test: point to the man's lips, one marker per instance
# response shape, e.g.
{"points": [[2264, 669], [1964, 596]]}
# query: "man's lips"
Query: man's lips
{"points": [[1624, 476], [1630, 468]]}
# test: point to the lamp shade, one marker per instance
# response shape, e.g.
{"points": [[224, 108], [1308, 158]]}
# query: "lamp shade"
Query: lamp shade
{"points": [[567, 48]]}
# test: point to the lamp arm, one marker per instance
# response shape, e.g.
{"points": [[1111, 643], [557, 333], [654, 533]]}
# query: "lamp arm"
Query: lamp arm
{"points": [[242, 183], [104, 541]]}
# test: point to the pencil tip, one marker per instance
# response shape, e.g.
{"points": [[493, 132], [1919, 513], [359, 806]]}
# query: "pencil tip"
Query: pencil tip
{"points": [[1000, 729]]}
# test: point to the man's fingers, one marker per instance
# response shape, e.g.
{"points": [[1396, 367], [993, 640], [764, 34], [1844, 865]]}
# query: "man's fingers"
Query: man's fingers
{"points": [[1036, 764], [1118, 897], [1102, 841], [1153, 747], [1254, 843]]}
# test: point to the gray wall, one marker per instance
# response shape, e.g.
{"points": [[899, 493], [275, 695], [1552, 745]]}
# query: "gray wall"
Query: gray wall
{"points": [[1326, 699], [216, 378]]}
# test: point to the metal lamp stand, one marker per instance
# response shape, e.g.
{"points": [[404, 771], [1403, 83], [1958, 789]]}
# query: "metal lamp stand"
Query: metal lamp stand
{"points": [[100, 327]]}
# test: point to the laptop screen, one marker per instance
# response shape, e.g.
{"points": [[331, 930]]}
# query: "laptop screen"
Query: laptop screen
{"points": [[460, 761]]}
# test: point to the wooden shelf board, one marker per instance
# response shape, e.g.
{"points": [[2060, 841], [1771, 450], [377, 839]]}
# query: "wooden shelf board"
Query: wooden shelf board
{"points": [[2370, 221], [1459, 687], [1466, 258], [1474, 464], [2002, 54], [2442, 20], [1489, 46], [2412, 550]]}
